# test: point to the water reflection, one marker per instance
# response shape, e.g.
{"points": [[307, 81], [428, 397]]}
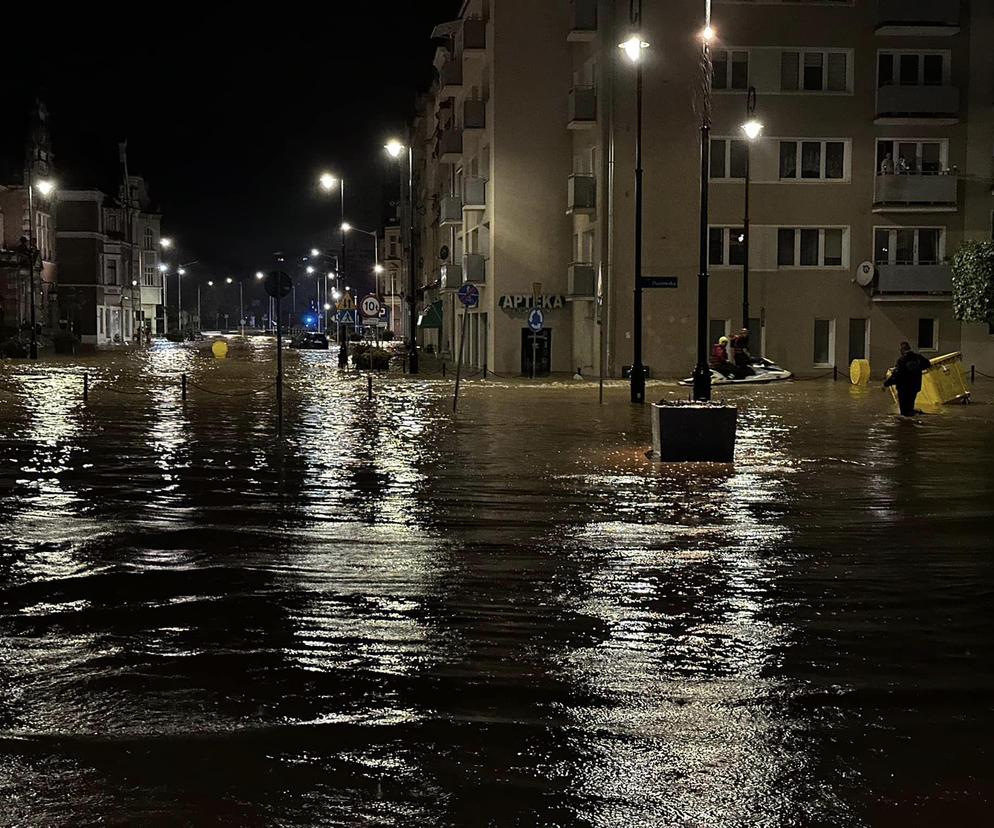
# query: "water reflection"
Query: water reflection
{"points": [[397, 616]]}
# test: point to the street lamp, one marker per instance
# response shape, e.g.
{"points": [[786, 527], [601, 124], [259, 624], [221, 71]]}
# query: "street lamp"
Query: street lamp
{"points": [[328, 183], [633, 48], [702, 372], [165, 243], [45, 189], [395, 149], [752, 129]]}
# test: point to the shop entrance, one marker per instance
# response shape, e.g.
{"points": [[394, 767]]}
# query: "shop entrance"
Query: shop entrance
{"points": [[542, 342]]}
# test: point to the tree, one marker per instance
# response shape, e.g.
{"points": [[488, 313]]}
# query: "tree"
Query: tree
{"points": [[973, 282]]}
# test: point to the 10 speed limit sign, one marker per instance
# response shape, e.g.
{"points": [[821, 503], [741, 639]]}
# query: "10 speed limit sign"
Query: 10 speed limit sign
{"points": [[370, 307]]}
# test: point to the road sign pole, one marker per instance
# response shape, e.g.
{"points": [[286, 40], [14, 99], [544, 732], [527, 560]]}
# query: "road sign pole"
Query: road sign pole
{"points": [[279, 369], [534, 351], [462, 344]]}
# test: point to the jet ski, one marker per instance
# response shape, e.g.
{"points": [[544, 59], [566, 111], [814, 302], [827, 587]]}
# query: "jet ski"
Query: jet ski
{"points": [[764, 371]]}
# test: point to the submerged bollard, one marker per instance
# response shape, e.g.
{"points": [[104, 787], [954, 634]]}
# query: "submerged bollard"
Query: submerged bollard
{"points": [[443, 368], [183, 386], [973, 375], [86, 387], [369, 387], [835, 373]]}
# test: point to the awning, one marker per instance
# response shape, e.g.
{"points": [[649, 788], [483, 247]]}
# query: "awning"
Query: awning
{"points": [[431, 317]]}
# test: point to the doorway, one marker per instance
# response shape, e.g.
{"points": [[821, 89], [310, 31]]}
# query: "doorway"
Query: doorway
{"points": [[541, 342]]}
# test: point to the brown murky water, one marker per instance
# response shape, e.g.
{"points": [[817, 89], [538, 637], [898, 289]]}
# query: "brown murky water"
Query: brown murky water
{"points": [[507, 617]]}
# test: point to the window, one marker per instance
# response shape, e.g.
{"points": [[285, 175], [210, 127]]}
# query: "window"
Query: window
{"points": [[111, 272], [149, 239], [148, 275], [111, 222], [913, 68], [928, 339], [812, 247], [859, 330], [908, 245], [824, 342], [44, 235], [814, 71], [728, 158], [726, 246], [729, 69], [717, 329], [819, 160], [914, 157]]}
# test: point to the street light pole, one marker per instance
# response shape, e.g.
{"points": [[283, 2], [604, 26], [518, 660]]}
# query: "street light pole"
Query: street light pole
{"points": [[752, 128], [31, 269], [702, 373], [412, 365]]}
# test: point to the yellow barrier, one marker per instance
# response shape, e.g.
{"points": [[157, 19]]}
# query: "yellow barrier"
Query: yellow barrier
{"points": [[859, 372]]}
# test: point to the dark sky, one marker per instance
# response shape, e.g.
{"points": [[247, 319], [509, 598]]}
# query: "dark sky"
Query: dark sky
{"points": [[230, 113]]}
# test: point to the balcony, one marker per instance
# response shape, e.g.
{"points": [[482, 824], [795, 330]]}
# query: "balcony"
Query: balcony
{"points": [[582, 194], [583, 21], [450, 78], [474, 193], [914, 193], [582, 108], [474, 36], [913, 279], [450, 211], [474, 115], [450, 277], [922, 18], [917, 104], [474, 268], [581, 281], [450, 146]]}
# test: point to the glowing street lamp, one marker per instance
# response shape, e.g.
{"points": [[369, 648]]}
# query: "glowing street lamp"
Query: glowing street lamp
{"points": [[165, 243], [633, 48], [395, 149], [163, 267], [45, 188], [315, 251], [260, 275]]}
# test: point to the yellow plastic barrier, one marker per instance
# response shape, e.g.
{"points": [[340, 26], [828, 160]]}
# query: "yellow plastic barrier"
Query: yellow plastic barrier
{"points": [[220, 349], [859, 372]]}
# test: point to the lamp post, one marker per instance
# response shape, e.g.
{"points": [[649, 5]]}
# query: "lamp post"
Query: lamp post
{"points": [[328, 183], [166, 243], [259, 276], [752, 129], [395, 149], [633, 48], [45, 188], [210, 283], [702, 372]]}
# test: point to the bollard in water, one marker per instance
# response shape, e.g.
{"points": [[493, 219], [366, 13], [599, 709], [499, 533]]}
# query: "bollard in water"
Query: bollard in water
{"points": [[484, 370], [835, 373], [183, 386], [369, 387], [443, 368], [973, 375], [86, 387]]}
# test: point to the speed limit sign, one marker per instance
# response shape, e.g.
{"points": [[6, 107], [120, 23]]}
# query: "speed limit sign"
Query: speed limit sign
{"points": [[370, 307]]}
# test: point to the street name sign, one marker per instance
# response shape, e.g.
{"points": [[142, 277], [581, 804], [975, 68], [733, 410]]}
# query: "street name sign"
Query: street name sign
{"points": [[659, 281]]}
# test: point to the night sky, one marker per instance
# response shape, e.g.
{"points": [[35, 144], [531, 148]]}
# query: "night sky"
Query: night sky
{"points": [[229, 113]]}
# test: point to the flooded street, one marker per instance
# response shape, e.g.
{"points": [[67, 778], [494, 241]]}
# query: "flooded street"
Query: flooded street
{"points": [[508, 616]]}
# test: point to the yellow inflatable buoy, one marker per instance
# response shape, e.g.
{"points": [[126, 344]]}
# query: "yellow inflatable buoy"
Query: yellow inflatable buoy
{"points": [[859, 372], [220, 349]]}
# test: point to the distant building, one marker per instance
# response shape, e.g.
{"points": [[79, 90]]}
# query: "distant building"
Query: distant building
{"points": [[17, 224], [110, 286], [524, 167], [391, 284]]}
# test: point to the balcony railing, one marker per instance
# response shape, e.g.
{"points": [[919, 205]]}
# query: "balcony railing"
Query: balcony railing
{"points": [[917, 102], [474, 34], [908, 278], [915, 191], [450, 146], [450, 78], [918, 17], [474, 268], [450, 277], [474, 193], [582, 107], [583, 20], [582, 193], [450, 211], [581, 281], [474, 114]]}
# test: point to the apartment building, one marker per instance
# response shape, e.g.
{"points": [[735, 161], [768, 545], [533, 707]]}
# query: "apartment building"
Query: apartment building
{"points": [[110, 286], [874, 165]]}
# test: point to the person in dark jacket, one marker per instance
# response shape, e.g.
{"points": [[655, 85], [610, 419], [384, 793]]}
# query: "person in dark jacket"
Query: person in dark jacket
{"points": [[907, 376]]}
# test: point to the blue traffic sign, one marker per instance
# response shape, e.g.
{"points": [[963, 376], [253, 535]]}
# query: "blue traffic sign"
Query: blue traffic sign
{"points": [[469, 295], [347, 317], [536, 320]]}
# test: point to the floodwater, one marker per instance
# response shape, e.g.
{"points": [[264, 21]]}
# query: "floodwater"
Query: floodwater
{"points": [[401, 617]]}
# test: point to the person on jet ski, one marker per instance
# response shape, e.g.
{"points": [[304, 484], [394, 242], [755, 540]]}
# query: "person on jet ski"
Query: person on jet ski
{"points": [[719, 358], [740, 354]]}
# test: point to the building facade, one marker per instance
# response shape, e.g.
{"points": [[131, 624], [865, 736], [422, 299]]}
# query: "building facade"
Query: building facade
{"points": [[877, 146], [111, 287]]}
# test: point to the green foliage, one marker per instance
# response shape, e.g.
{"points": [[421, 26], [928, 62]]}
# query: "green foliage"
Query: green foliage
{"points": [[370, 358], [973, 282]]}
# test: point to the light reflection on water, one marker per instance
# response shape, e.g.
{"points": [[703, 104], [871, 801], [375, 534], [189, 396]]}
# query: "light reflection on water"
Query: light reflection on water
{"points": [[397, 616]]}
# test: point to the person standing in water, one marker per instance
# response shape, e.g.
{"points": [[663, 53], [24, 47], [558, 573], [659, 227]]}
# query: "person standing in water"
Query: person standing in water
{"points": [[906, 375]]}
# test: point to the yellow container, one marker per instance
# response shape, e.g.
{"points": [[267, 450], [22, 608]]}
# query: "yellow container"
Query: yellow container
{"points": [[859, 372], [219, 349], [945, 381]]}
